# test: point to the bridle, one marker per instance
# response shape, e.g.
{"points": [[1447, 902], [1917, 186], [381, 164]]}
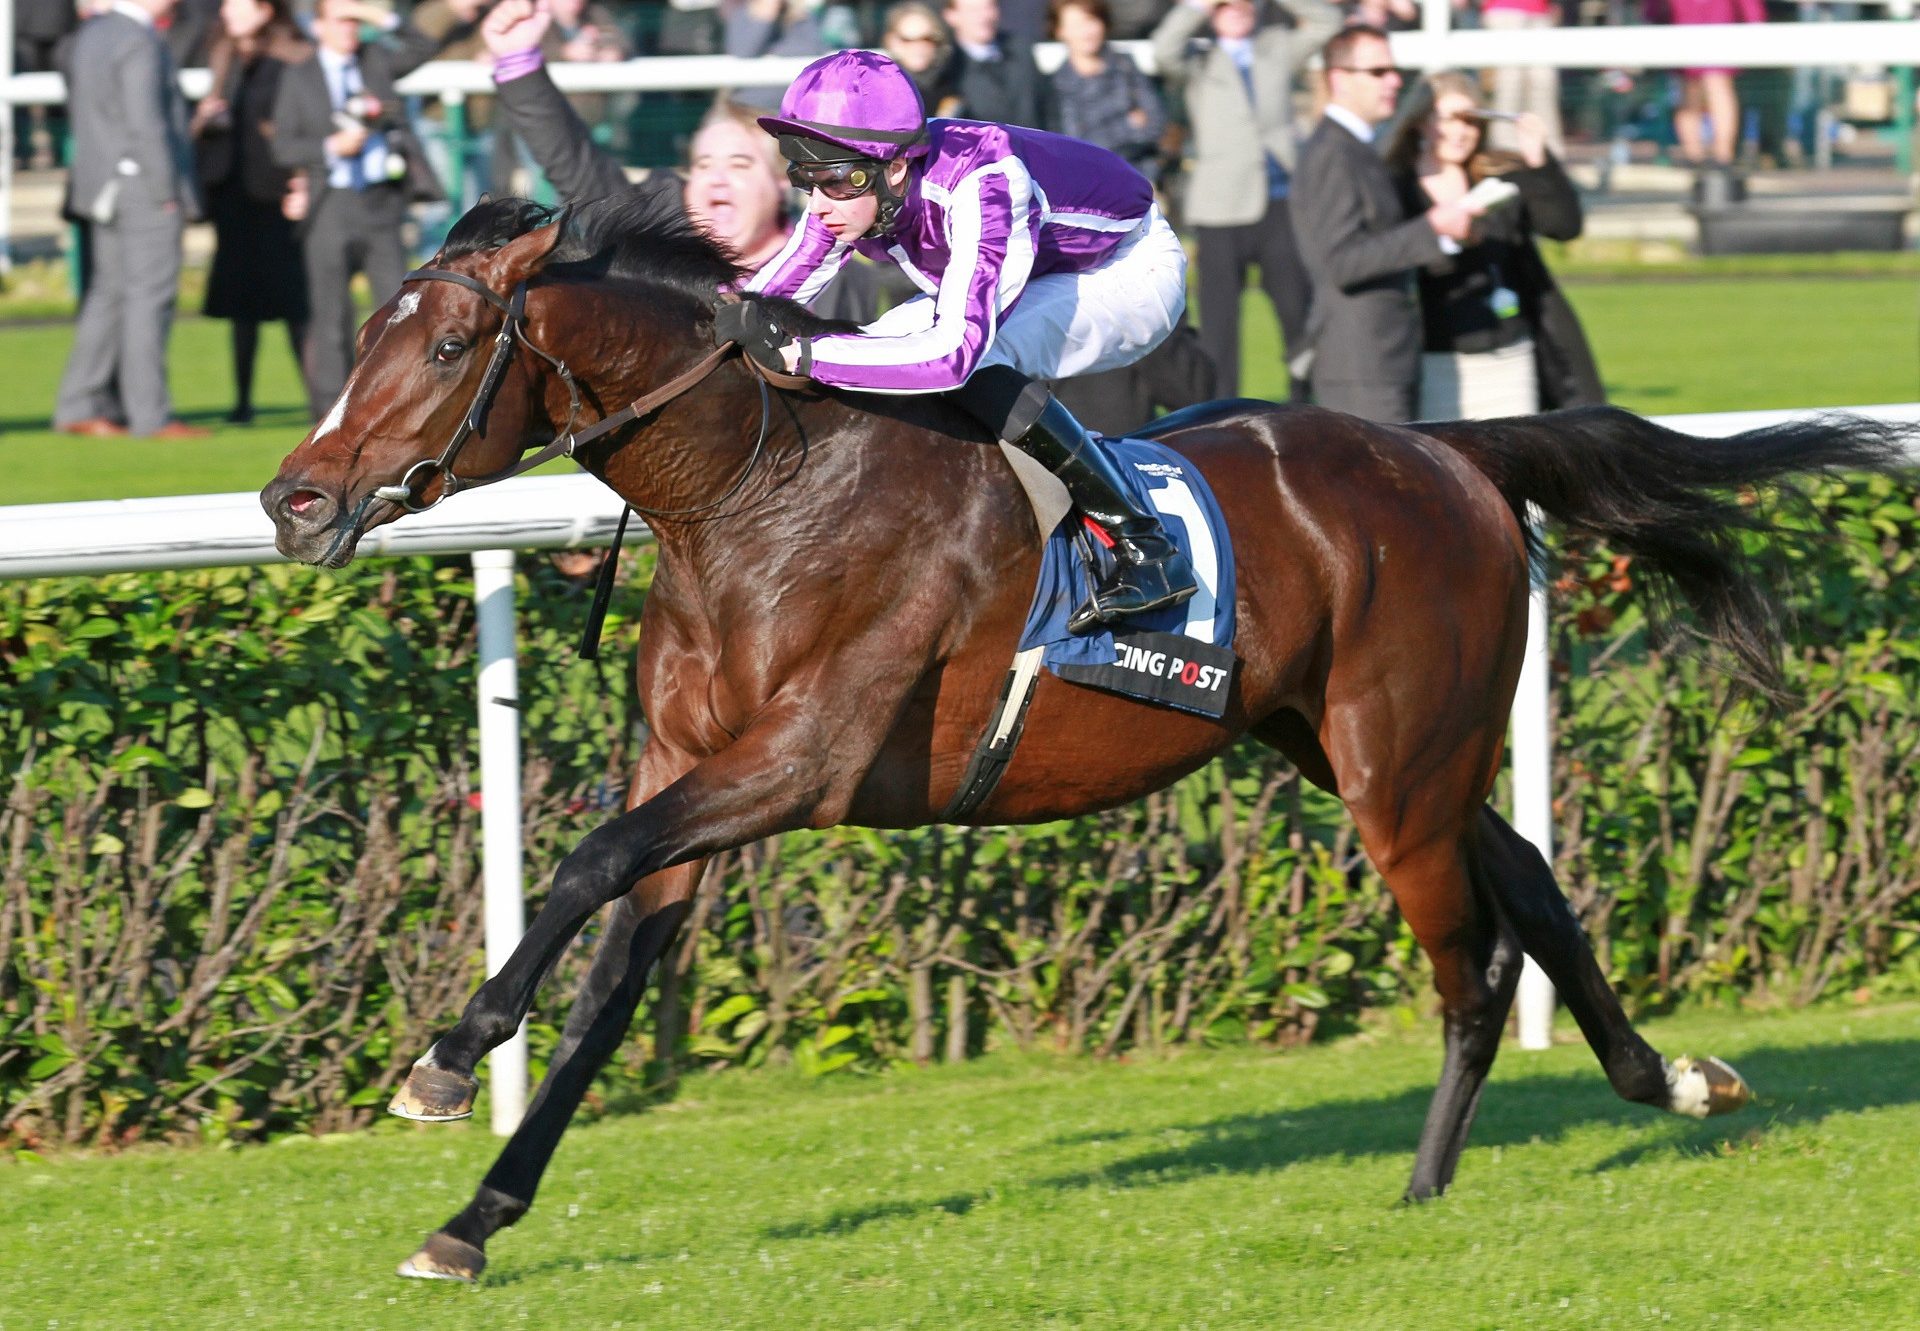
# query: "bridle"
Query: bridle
{"points": [[513, 329]]}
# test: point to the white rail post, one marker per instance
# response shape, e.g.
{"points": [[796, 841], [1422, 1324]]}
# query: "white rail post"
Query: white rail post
{"points": [[500, 812], [1532, 745]]}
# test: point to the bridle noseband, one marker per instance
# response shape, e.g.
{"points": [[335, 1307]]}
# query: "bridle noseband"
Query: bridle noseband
{"points": [[514, 329]]}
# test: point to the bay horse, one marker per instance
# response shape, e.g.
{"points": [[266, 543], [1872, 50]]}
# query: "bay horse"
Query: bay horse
{"points": [[842, 579]]}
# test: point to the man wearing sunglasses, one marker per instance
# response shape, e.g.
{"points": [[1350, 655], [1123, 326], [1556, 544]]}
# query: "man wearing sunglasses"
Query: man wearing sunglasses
{"points": [[1037, 257], [1361, 249]]}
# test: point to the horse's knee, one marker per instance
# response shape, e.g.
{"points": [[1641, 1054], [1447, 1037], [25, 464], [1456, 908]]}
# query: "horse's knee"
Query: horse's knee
{"points": [[594, 873]]}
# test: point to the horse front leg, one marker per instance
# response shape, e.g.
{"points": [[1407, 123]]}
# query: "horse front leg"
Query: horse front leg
{"points": [[775, 778], [640, 929]]}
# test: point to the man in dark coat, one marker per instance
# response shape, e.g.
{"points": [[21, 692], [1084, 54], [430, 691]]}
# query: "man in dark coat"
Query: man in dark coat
{"points": [[338, 119], [1361, 248], [992, 68]]}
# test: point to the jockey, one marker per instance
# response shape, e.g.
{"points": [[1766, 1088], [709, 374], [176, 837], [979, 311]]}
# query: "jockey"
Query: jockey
{"points": [[1037, 256]]}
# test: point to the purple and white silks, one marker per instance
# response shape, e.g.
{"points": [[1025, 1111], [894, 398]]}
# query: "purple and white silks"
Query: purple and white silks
{"points": [[993, 208]]}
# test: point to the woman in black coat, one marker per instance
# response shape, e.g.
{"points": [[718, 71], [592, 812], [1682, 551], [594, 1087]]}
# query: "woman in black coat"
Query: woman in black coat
{"points": [[1500, 338], [257, 275]]}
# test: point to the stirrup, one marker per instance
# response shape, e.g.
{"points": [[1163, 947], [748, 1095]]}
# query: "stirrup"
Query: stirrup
{"points": [[1137, 586]]}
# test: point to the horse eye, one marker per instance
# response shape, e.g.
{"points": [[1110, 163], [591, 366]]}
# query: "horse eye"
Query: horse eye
{"points": [[449, 350]]}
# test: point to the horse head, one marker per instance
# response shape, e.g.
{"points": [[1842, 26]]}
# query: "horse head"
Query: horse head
{"points": [[440, 373]]}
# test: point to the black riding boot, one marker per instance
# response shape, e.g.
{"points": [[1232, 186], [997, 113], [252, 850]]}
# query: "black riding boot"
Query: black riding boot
{"points": [[1149, 569]]}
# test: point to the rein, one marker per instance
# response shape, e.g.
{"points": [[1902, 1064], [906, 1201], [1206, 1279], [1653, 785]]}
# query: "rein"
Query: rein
{"points": [[514, 328]]}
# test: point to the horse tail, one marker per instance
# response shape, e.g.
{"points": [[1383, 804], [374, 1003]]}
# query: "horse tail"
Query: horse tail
{"points": [[1664, 498]]}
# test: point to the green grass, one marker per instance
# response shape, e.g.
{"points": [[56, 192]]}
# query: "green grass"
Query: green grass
{"points": [[1718, 344], [1225, 1189]]}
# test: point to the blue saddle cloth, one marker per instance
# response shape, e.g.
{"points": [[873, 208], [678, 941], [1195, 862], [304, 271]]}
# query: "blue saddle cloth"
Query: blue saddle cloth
{"points": [[1146, 656]]}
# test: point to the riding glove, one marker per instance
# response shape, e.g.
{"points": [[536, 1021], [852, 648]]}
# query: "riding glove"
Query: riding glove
{"points": [[757, 333]]}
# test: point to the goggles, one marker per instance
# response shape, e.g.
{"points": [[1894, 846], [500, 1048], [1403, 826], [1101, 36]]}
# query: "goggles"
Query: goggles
{"points": [[837, 180]]}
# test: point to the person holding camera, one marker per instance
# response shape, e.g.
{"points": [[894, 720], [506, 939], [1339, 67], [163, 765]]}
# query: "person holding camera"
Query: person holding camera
{"points": [[1497, 336], [338, 119]]}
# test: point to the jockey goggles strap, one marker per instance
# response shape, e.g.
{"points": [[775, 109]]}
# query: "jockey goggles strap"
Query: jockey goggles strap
{"points": [[837, 180]]}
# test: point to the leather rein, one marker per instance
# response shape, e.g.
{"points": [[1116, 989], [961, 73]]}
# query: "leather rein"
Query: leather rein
{"points": [[513, 328]]}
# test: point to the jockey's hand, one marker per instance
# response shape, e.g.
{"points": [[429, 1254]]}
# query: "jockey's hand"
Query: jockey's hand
{"points": [[757, 332]]}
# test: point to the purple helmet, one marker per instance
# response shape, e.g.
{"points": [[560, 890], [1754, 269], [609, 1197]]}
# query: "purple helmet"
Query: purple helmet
{"points": [[857, 100]]}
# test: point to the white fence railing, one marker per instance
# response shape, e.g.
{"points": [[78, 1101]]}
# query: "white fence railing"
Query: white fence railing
{"points": [[548, 512]]}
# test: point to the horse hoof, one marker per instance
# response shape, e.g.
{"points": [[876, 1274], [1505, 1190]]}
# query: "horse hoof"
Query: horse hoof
{"points": [[443, 1257], [434, 1095], [1704, 1087]]}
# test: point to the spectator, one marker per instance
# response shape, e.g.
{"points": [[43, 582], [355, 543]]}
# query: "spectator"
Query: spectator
{"points": [[919, 43], [1707, 98], [1490, 346], [132, 181], [1099, 94], [338, 119], [1360, 245], [257, 276], [771, 27], [1534, 89], [992, 69], [1238, 78]]}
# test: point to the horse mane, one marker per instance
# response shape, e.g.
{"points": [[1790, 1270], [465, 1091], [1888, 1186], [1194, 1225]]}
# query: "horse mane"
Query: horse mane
{"points": [[643, 235]]}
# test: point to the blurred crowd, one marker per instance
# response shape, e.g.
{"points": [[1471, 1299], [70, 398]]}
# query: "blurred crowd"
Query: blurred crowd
{"points": [[1390, 226]]}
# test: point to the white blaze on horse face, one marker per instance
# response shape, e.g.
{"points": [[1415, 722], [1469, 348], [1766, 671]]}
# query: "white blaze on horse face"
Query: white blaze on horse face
{"points": [[408, 304], [334, 417]]}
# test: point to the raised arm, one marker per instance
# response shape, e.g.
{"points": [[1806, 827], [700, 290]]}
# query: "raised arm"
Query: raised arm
{"points": [[1182, 23], [539, 112]]}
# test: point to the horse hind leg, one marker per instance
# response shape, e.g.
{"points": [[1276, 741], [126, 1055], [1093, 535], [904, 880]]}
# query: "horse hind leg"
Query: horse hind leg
{"points": [[640, 928], [1518, 876], [1417, 832], [1476, 965]]}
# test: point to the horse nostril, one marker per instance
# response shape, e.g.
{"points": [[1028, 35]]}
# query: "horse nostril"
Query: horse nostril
{"points": [[300, 502]]}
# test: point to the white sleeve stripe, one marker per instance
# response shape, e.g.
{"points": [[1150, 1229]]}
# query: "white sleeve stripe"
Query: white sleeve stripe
{"points": [[771, 269], [829, 268], [1092, 221], [912, 270], [956, 286]]}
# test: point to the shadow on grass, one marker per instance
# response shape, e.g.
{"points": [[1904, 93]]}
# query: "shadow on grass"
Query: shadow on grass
{"points": [[494, 1278], [858, 1217], [1794, 1086]]}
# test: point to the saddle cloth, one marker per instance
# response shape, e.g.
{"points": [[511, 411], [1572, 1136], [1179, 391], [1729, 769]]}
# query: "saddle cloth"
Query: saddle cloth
{"points": [[1180, 656]]}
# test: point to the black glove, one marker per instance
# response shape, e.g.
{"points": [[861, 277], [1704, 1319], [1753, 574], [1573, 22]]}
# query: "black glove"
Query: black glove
{"points": [[757, 332]]}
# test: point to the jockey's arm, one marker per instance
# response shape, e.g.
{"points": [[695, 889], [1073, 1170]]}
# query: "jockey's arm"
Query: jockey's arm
{"points": [[805, 264], [992, 228]]}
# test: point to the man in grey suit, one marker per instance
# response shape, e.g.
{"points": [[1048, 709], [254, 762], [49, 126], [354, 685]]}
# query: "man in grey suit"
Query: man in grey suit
{"points": [[338, 118], [1363, 251], [132, 182], [1238, 76]]}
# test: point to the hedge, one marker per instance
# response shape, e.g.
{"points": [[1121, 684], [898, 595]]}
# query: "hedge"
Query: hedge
{"points": [[241, 885]]}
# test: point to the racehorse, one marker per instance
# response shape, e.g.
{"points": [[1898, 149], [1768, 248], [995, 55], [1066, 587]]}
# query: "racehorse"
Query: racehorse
{"points": [[842, 579]]}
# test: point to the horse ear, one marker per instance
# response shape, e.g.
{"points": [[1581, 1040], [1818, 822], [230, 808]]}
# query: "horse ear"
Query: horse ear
{"points": [[523, 256]]}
